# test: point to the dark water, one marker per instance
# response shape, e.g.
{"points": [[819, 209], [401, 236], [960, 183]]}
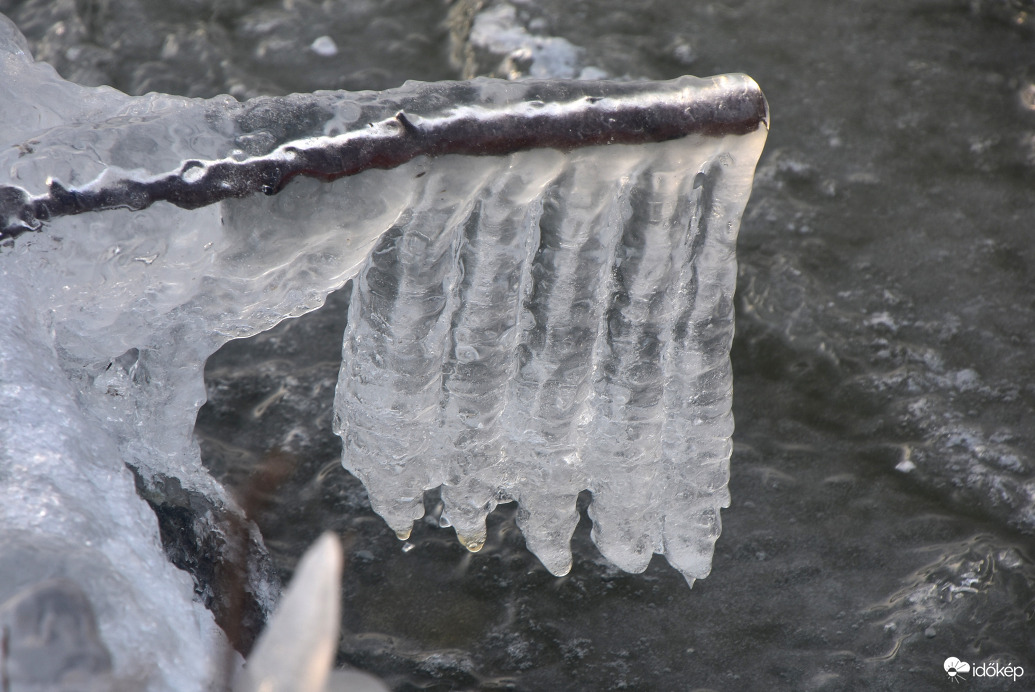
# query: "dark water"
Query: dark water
{"points": [[882, 474]]}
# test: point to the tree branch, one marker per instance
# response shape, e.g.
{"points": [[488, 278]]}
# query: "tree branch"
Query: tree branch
{"points": [[560, 115]]}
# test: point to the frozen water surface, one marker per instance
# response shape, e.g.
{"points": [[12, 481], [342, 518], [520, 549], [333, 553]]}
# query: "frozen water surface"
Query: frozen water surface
{"points": [[881, 472]]}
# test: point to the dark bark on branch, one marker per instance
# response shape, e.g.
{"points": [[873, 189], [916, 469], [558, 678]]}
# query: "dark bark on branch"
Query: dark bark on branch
{"points": [[556, 114]]}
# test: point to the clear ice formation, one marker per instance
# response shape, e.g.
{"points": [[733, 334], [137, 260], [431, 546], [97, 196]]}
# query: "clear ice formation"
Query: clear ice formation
{"points": [[526, 326], [533, 316], [533, 326]]}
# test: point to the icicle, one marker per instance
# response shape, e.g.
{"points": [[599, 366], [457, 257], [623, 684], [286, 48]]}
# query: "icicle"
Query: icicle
{"points": [[624, 436], [494, 255], [296, 651], [589, 314], [399, 323]]}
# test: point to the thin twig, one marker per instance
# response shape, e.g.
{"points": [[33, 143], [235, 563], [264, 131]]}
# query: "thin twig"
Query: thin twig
{"points": [[557, 114]]}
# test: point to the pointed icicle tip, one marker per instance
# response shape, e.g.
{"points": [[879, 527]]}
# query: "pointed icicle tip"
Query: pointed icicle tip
{"points": [[296, 650]]}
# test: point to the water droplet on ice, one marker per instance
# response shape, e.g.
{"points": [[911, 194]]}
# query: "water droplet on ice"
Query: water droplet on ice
{"points": [[473, 544], [407, 547]]}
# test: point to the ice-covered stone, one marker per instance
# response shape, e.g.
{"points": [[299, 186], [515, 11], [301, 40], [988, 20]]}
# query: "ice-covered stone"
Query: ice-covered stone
{"points": [[497, 31]]}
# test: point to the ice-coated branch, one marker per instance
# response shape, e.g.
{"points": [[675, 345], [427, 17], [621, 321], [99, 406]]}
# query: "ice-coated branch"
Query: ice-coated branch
{"points": [[560, 115]]}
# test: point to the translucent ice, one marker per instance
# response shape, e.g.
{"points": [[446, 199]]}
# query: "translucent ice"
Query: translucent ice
{"points": [[534, 326], [533, 316], [528, 325]]}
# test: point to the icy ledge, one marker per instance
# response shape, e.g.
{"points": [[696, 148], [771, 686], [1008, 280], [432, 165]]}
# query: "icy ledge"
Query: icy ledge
{"points": [[542, 304]]}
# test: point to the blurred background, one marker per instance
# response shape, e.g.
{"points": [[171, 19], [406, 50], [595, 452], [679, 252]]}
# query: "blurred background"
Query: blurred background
{"points": [[883, 475]]}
